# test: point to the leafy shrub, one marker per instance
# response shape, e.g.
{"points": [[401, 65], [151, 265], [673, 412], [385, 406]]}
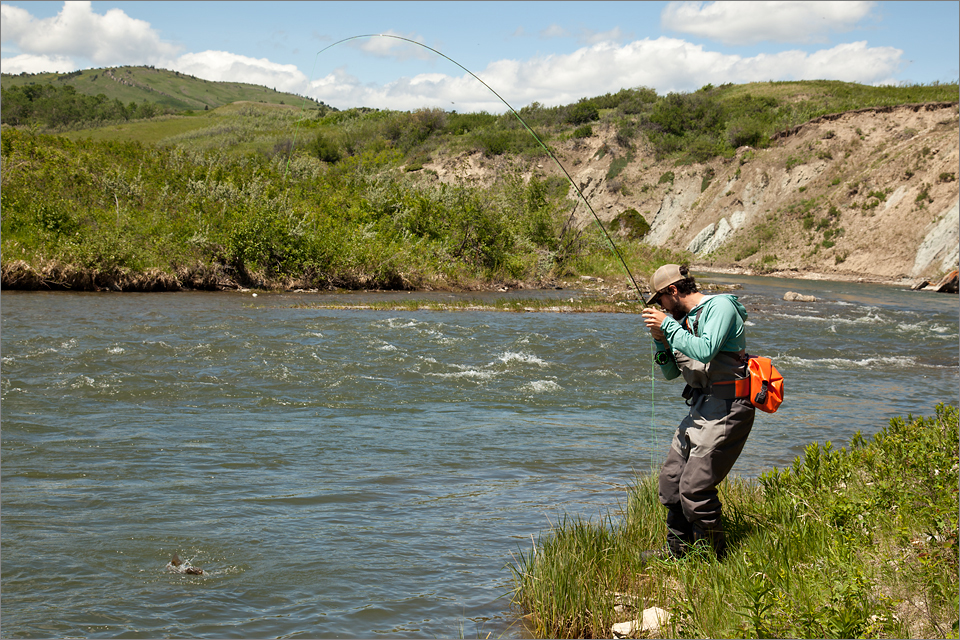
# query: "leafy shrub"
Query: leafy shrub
{"points": [[625, 133], [795, 161], [460, 123], [745, 131], [636, 225], [583, 132], [617, 165], [582, 113], [701, 148], [494, 143], [708, 176], [666, 177], [326, 149], [746, 252]]}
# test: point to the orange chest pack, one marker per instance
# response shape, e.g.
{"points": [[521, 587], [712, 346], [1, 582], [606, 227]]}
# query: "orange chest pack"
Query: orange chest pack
{"points": [[765, 382]]}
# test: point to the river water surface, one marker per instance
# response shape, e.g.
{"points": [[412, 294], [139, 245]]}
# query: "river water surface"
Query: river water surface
{"points": [[359, 474]]}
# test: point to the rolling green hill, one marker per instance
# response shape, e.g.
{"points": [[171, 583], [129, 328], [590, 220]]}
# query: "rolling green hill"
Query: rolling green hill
{"points": [[164, 88], [817, 176]]}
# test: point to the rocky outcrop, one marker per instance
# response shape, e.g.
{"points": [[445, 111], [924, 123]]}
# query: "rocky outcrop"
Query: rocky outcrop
{"points": [[713, 236], [940, 248], [950, 283]]}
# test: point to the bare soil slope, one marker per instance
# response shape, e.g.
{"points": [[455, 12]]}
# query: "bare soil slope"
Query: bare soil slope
{"points": [[871, 193]]}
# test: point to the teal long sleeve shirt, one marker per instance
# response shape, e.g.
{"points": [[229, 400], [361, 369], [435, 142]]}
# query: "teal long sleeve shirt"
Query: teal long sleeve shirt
{"points": [[720, 328]]}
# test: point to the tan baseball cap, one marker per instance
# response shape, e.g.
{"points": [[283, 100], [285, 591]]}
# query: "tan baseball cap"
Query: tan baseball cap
{"points": [[662, 278]]}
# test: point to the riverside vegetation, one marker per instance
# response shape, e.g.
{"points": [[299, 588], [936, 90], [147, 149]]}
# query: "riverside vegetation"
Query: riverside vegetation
{"points": [[276, 196], [858, 542]]}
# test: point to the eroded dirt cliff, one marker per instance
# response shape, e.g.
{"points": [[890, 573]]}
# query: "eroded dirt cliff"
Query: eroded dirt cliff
{"points": [[869, 193]]}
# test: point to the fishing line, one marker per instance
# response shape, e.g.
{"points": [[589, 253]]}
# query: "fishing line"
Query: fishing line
{"points": [[546, 148], [512, 110]]}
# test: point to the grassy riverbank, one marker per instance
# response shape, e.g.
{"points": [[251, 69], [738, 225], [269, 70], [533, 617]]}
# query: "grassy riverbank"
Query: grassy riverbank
{"points": [[126, 216], [280, 197], [852, 542]]}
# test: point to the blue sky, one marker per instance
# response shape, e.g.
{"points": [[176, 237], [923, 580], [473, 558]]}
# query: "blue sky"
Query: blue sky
{"points": [[549, 52]]}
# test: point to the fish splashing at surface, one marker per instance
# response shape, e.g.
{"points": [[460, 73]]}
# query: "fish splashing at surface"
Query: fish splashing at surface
{"points": [[178, 566]]}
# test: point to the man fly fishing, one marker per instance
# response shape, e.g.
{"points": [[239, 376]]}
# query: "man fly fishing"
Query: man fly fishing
{"points": [[700, 337]]}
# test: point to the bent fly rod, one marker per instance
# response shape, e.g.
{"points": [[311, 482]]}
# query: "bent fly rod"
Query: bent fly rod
{"points": [[512, 110]]}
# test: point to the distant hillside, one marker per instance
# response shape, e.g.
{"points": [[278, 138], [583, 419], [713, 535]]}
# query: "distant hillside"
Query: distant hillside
{"points": [[168, 89], [813, 177]]}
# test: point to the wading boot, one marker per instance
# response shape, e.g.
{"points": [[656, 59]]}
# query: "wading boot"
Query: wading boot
{"points": [[712, 534], [673, 550]]}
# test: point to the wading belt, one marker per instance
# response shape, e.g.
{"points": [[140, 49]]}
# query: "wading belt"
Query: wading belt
{"points": [[725, 390]]}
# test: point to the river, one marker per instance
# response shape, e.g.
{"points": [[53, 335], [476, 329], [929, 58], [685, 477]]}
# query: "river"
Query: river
{"points": [[344, 473]]}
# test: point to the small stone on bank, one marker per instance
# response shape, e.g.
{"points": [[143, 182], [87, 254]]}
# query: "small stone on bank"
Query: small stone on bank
{"points": [[650, 621]]}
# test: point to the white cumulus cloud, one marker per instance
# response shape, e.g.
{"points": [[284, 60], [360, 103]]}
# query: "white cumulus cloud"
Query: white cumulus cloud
{"points": [[231, 67], [666, 64], [593, 37], [756, 21], [27, 63], [394, 47], [113, 38], [554, 31], [605, 65]]}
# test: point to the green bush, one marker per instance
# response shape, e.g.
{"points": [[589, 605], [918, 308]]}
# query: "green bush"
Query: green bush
{"points": [[746, 252], [617, 165], [745, 131], [708, 176], [625, 134], [582, 113], [461, 123], [795, 161], [326, 149], [583, 132], [635, 224]]}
